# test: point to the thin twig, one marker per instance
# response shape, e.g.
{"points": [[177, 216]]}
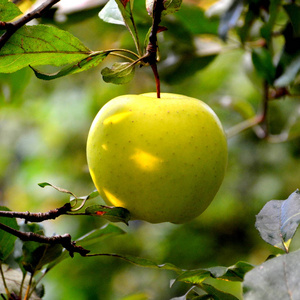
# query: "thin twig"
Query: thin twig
{"points": [[243, 126], [22, 284], [4, 282], [12, 27], [26, 297]]}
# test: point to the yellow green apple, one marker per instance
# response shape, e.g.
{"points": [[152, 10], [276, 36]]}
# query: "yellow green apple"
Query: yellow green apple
{"points": [[163, 159]]}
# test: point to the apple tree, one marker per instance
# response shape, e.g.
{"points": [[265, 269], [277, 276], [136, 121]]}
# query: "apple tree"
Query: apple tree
{"points": [[61, 61]]}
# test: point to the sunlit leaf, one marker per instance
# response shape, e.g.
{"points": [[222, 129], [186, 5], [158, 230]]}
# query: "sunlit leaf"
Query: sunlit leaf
{"points": [[278, 221], [7, 240], [113, 214], [119, 73], [40, 45], [110, 13], [87, 63], [277, 278], [8, 10]]}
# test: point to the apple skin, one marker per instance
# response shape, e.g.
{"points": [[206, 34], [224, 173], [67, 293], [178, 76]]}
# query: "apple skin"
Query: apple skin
{"points": [[163, 159]]}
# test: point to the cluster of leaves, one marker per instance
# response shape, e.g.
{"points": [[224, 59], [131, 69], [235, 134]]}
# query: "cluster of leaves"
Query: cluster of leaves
{"points": [[277, 223], [47, 45]]}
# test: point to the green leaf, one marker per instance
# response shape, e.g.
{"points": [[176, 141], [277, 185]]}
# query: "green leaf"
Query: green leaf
{"points": [[40, 45], [37, 255], [87, 63], [119, 73], [193, 18], [290, 72], [277, 278], [97, 235], [113, 214], [230, 17], [278, 221], [251, 15], [116, 13], [7, 240], [215, 293], [262, 61], [143, 262], [267, 29], [8, 11], [171, 6], [293, 11], [232, 273]]}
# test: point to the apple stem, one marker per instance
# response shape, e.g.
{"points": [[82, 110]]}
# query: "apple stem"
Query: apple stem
{"points": [[157, 81], [151, 51]]}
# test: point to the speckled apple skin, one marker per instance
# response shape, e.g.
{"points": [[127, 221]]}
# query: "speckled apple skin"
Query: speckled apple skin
{"points": [[163, 159]]}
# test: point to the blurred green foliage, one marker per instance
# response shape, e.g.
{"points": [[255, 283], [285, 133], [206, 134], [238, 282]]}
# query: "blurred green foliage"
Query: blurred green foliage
{"points": [[43, 131]]}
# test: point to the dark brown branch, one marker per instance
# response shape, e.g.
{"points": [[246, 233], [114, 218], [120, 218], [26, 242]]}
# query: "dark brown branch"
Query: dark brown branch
{"points": [[64, 240], [12, 27], [38, 217]]}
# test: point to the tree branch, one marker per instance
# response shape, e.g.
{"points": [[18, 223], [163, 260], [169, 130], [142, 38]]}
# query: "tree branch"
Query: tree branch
{"points": [[64, 240], [38, 217], [12, 27]]}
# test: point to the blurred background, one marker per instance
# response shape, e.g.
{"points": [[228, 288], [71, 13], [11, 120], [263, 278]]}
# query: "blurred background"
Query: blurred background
{"points": [[43, 132]]}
